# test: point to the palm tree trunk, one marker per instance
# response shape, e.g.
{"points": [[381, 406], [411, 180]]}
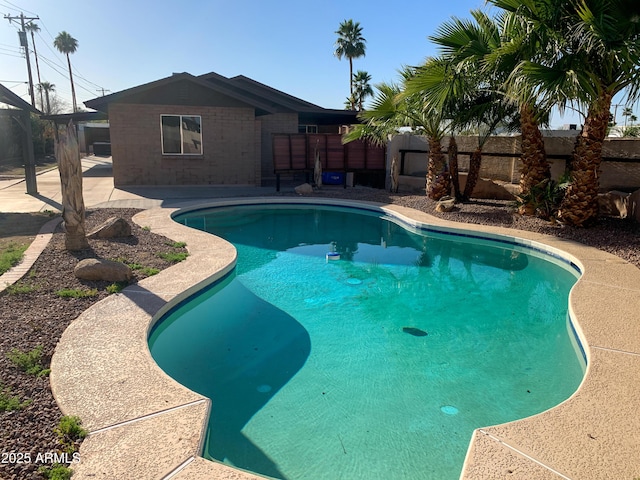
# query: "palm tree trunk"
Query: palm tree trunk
{"points": [[473, 175], [73, 90], [68, 156], [453, 166], [35, 54], [351, 83], [46, 93], [438, 181], [535, 167], [580, 204]]}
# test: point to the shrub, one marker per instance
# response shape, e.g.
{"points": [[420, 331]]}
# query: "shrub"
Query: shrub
{"points": [[20, 288], [150, 271], [70, 431], [30, 362], [10, 402], [543, 200], [176, 244], [116, 287], [173, 257], [55, 472], [76, 293]]}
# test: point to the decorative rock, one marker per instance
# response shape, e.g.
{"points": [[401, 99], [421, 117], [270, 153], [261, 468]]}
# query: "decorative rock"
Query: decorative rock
{"points": [[304, 189], [614, 203], [634, 206], [445, 204], [99, 269], [114, 227]]}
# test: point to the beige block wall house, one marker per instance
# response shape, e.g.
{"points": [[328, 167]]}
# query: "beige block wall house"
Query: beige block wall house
{"points": [[205, 130]]}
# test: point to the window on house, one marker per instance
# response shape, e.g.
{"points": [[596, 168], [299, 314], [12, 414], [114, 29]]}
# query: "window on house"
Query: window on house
{"points": [[181, 134], [307, 129]]}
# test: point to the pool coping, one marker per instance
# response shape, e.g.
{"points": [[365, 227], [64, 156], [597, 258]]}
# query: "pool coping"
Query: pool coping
{"points": [[141, 421]]}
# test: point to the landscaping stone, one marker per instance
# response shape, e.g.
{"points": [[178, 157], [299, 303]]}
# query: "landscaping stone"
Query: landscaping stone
{"points": [[634, 206], [304, 189], [445, 204], [614, 203], [100, 269], [114, 227]]}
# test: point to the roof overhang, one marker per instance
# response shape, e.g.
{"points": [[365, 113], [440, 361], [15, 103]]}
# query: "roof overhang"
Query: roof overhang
{"points": [[219, 86], [64, 118], [10, 98], [328, 117]]}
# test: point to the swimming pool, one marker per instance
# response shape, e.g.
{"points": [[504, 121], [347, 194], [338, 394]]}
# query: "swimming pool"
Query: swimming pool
{"points": [[365, 366]]}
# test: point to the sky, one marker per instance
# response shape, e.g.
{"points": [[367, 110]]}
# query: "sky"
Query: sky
{"points": [[285, 44]]}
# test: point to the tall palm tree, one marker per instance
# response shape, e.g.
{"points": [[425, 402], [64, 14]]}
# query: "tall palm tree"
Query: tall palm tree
{"points": [[46, 88], [66, 44], [393, 107], [361, 88], [460, 85], [350, 44], [33, 28], [593, 55], [496, 46], [626, 113]]}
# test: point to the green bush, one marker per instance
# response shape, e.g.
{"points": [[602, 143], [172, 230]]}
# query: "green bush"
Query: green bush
{"points": [[20, 288], [10, 402], [30, 362], [116, 287], [55, 472], [70, 431], [173, 257], [544, 199], [176, 244], [76, 293]]}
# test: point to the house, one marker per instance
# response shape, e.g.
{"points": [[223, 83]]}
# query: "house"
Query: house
{"points": [[205, 130]]}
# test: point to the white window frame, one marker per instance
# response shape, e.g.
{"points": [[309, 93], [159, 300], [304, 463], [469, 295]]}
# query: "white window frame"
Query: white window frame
{"points": [[182, 153], [308, 128]]}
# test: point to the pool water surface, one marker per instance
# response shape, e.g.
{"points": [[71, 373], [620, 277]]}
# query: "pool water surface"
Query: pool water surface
{"points": [[377, 365]]}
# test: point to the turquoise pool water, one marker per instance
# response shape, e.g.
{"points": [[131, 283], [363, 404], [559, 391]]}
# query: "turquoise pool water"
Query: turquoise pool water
{"points": [[376, 365]]}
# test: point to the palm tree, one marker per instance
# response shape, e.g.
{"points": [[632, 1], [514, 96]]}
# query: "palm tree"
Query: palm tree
{"points": [[70, 169], [626, 113], [361, 88], [66, 44], [459, 84], [592, 55], [350, 44], [393, 107], [47, 88], [33, 28], [495, 46]]}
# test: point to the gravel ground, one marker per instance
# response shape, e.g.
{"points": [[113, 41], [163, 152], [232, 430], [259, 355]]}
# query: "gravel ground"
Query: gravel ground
{"points": [[39, 317]]}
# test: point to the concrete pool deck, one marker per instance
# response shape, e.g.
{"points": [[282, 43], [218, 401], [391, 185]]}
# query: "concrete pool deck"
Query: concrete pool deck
{"points": [[145, 425]]}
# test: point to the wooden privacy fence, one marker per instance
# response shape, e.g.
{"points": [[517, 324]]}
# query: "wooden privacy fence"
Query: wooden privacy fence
{"points": [[295, 153]]}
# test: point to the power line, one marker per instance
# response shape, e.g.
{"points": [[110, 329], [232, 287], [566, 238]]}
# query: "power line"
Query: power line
{"points": [[16, 8]]}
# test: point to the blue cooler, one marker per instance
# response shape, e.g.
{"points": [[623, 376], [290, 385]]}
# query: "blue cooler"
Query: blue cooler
{"points": [[333, 178]]}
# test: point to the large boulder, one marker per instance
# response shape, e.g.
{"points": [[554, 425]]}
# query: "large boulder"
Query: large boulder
{"points": [[114, 227], [100, 269], [614, 204], [634, 206]]}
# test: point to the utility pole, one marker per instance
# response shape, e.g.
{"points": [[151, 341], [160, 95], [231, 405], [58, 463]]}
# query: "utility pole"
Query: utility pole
{"points": [[102, 90], [25, 43]]}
